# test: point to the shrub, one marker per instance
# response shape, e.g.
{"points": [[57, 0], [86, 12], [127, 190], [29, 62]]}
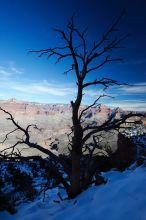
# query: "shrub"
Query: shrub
{"points": [[7, 203]]}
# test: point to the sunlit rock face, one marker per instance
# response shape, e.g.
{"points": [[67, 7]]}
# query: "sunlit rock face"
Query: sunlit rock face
{"points": [[53, 122], [32, 108]]}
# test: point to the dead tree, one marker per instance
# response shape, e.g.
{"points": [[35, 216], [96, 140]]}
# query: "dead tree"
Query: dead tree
{"points": [[85, 60]]}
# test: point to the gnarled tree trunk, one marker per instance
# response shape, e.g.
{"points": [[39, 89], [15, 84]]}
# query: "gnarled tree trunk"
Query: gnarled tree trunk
{"points": [[76, 151], [75, 173]]}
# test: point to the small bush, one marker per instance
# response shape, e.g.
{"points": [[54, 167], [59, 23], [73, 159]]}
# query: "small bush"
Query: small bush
{"points": [[23, 182], [7, 203]]}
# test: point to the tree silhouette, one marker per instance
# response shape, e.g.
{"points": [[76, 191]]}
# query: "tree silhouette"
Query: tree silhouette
{"points": [[84, 137]]}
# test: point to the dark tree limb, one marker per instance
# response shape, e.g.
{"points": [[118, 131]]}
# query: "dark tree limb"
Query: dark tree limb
{"points": [[111, 124], [105, 36], [94, 104], [105, 82], [106, 60], [6, 137]]}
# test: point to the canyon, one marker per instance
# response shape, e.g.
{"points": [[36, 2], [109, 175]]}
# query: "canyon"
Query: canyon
{"points": [[53, 123]]}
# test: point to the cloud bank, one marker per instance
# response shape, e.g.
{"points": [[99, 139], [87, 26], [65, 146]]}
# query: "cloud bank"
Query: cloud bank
{"points": [[14, 84]]}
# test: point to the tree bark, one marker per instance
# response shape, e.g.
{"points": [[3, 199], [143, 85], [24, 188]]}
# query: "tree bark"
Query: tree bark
{"points": [[75, 173]]}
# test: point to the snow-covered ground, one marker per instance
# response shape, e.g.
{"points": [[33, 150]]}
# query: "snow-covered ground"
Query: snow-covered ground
{"points": [[123, 197], [136, 130]]}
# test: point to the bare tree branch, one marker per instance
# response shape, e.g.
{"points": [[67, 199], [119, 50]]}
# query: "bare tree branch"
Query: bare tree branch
{"points": [[106, 82], [111, 124], [105, 36], [106, 60], [114, 44], [6, 137], [92, 105]]}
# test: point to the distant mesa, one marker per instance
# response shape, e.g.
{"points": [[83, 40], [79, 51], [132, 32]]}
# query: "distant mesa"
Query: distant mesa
{"points": [[34, 109], [19, 107], [12, 100]]}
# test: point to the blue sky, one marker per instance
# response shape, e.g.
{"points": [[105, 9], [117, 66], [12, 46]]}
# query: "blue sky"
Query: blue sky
{"points": [[27, 25]]}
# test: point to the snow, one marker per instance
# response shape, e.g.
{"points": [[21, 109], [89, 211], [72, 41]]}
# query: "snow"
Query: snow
{"points": [[138, 136], [123, 197]]}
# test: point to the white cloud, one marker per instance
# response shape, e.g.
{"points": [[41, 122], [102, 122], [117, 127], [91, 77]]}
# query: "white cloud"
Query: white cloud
{"points": [[131, 105], [50, 88], [30, 87], [6, 72], [11, 85], [43, 88], [16, 70], [136, 88], [93, 93]]}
